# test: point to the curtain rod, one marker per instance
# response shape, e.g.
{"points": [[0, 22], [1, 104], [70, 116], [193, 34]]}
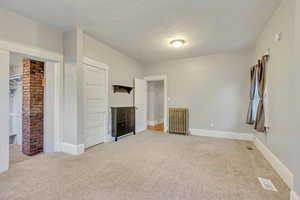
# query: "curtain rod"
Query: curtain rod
{"points": [[266, 53]]}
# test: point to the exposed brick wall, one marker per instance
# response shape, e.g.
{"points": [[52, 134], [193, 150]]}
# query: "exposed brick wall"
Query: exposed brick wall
{"points": [[33, 107]]}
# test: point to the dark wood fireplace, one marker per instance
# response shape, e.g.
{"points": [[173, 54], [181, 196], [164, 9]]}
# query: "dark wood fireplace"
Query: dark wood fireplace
{"points": [[123, 121]]}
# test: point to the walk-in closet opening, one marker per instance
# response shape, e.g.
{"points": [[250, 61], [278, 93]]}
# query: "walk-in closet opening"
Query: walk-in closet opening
{"points": [[26, 108]]}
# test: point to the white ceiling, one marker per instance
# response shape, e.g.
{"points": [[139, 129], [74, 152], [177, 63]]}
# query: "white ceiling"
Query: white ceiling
{"points": [[142, 29]]}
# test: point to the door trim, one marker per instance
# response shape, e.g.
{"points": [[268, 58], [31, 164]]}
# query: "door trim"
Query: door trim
{"points": [[165, 79], [94, 63], [45, 56], [134, 103]]}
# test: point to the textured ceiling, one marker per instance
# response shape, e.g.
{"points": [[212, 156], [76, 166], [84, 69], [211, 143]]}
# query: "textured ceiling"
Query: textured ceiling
{"points": [[142, 29]]}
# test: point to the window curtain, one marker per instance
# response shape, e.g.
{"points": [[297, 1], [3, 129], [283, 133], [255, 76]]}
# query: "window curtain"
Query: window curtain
{"points": [[266, 98], [250, 114], [259, 124]]}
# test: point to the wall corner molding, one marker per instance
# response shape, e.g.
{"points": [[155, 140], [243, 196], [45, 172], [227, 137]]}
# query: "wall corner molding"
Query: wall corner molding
{"points": [[222, 134], [72, 149], [294, 196], [279, 167]]}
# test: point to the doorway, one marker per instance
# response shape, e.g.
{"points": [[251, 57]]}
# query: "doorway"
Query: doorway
{"points": [[26, 107], [31, 105], [155, 105], [52, 125]]}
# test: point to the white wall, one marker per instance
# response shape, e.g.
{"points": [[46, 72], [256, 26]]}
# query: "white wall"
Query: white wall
{"points": [[73, 72], [122, 69], [155, 111], [49, 106], [294, 106], [4, 108], [16, 28], [215, 88], [282, 71]]}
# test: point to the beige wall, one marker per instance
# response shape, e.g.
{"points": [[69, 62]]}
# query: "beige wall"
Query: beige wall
{"points": [[294, 106], [282, 72], [155, 111], [214, 87], [122, 69], [22, 30], [281, 54]]}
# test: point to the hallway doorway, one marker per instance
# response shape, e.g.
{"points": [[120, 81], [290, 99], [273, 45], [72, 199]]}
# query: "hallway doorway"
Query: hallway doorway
{"points": [[155, 104]]}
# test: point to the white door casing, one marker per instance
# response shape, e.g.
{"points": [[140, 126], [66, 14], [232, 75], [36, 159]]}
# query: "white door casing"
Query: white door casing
{"points": [[7, 47], [4, 107], [95, 104], [164, 79], [140, 102]]}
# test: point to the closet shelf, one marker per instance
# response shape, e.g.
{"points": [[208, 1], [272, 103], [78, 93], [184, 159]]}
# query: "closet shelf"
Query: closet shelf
{"points": [[15, 114], [12, 134], [122, 89], [15, 77]]}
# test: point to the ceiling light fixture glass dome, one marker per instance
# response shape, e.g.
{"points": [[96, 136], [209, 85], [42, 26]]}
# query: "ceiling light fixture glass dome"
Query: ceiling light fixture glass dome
{"points": [[177, 43]]}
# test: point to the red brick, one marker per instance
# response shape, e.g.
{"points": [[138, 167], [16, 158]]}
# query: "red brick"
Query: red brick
{"points": [[33, 107]]}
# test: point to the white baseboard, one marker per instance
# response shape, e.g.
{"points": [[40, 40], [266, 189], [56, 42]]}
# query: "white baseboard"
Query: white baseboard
{"points": [[109, 138], [151, 123], [222, 134], [155, 122], [160, 121], [294, 196], [4, 167], [279, 167], [139, 130], [72, 149]]}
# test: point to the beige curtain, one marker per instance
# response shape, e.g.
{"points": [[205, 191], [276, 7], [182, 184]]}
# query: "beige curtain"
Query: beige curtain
{"points": [[259, 124], [250, 113]]}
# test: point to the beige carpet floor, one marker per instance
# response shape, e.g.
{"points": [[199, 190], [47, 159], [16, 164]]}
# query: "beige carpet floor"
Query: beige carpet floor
{"points": [[16, 155], [150, 166]]}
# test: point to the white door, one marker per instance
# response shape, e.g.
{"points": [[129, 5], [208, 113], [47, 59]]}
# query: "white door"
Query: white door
{"points": [[95, 106], [140, 102]]}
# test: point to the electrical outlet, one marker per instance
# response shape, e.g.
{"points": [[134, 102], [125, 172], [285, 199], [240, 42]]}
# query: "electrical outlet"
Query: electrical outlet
{"points": [[278, 37], [212, 124]]}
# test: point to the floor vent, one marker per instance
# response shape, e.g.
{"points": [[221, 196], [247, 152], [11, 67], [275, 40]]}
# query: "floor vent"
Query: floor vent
{"points": [[267, 184]]}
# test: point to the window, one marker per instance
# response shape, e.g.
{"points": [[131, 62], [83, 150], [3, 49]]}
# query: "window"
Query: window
{"points": [[256, 100]]}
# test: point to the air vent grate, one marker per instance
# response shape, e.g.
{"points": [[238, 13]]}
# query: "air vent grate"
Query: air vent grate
{"points": [[267, 184]]}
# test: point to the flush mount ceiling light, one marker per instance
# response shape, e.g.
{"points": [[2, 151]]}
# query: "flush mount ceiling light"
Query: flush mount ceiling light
{"points": [[177, 43]]}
